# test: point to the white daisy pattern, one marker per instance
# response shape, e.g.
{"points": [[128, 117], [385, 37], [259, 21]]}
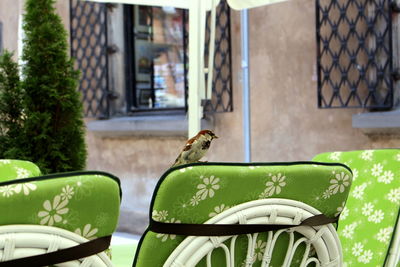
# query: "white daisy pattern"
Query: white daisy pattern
{"points": [[159, 215], [339, 183], [164, 237], [185, 169], [377, 169], [335, 155], [344, 213], [348, 230], [339, 210], [22, 173], [367, 209], [194, 201], [398, 157], [326, 194], [25, 188], [366, 257], [7, 190], [355, 174], [357, 249], [87, 232], [394, 195], [358, 191], [275, 185], [208, 188], [67, 192], [218, 210], [259, 249], [386, 177], [53, 212], [367, 155], [377, 216], [384, 234]]}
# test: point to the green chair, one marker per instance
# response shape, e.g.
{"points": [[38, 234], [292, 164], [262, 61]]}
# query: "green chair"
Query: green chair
{"points": [[65, 219], [16, 169], [259, 206], [368, 228]]}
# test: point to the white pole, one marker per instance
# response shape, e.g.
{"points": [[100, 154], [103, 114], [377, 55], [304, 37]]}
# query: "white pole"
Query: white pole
{"points": [[245, 84], [196, 11], [211, 50]]}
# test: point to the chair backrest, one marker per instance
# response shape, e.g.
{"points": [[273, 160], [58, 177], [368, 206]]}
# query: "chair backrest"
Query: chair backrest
{"points": [[261, 193], [323, 239], [20, 241], [86, 203], [11, 169], [368, 222]]}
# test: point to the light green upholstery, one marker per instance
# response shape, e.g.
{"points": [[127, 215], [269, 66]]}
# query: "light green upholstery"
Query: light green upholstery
{"points": [[86, 203], [370, 214], [17, 169], [195, 193]]}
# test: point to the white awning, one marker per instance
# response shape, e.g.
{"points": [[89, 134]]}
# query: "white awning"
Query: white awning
{"points": [[235, 4], [244, 4], [185, 4]]}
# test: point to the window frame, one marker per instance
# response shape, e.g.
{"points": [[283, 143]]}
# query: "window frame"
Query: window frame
{"points": [[130, 79]]}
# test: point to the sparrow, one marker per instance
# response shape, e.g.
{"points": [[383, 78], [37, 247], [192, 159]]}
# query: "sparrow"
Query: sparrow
{"points": [[195, 148]]}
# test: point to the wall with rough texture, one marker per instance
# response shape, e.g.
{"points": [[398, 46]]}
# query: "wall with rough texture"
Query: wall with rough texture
{"points": [[9, 16], [10, 11], [286, 123]]}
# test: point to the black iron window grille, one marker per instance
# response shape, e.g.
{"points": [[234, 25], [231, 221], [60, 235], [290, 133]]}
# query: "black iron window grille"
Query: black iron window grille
{"points": [[354, 54], [221, 99], [90, 48]]}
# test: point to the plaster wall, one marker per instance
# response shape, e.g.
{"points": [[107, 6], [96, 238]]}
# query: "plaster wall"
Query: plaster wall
{"points": [[287, 125], [10, 11], [9, 16]]}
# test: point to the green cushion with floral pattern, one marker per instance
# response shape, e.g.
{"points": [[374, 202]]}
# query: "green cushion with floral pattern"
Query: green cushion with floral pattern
{"points": [[11, 169], [195, 193], [369, 217], [86, 203]]}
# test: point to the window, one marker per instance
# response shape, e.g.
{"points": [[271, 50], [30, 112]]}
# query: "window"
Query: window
{"points": [[354, 54], [155, 41], [358, 61], [133, 59]]}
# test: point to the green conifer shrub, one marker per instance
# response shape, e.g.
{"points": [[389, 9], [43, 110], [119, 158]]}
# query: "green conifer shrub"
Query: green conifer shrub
{"points": [[53, 128], [11, 107]]}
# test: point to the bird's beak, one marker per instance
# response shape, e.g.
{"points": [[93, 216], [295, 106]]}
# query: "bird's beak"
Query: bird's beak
{"points": [[215, 137]]}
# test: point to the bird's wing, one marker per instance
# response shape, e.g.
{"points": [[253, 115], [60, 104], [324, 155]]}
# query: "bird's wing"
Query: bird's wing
{"points": [[189, 144]]}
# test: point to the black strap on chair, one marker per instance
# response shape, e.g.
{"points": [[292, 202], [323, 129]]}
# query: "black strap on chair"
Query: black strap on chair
{"points": [[231, 229], [63, 255]]}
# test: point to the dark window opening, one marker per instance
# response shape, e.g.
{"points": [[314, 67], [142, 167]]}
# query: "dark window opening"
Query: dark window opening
{"points": [[156, 60]]}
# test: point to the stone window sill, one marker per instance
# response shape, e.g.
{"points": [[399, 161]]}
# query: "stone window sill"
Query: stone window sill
{"points": [[152, 126], [378, 122]]}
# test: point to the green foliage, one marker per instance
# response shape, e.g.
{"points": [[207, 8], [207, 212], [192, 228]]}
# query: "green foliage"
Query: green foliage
{"points": [[53, 128], [11, 107]]}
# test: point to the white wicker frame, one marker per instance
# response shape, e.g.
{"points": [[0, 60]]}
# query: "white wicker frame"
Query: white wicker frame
{"points": [[324, 238], [18, 241]]}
